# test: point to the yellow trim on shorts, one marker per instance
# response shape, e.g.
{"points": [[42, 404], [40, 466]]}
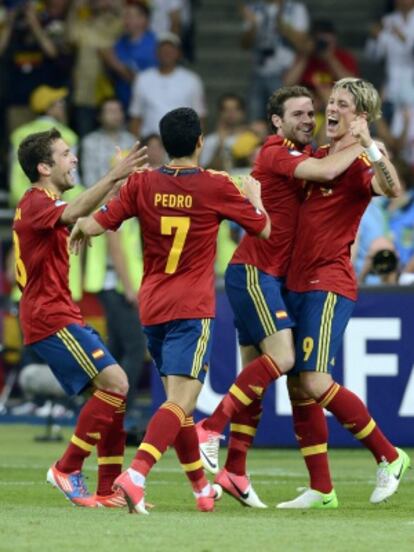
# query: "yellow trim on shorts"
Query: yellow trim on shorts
{"points": [[245, 429], [369, 428], [325, 332], [201, 347], [256, 294], [78, 352], [315, 449]]}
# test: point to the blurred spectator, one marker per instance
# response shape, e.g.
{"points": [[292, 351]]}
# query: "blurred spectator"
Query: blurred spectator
{"points": [[402, 133], [216, 152], [50, 105], [133, 52], [321, 64], [35, 50], [392, 39], [157, 156], [166, 16], [110, 271], [98, 149], [93, 25], [273, 30], [158, 90]]}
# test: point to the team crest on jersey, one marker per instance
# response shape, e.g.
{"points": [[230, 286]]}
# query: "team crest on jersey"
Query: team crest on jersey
{"points": [[295, 153]]}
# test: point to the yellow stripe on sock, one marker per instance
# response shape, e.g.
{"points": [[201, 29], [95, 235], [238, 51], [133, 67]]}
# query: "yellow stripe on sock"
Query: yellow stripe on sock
{"points": [[188, 422], [316, 449], [192, 466], [241, 428], [82, 444], [175, 409], [238, 393], [273, 364], [256, 294], [335, 388], [109, 399], [154, 452], [304, 402], [104, 460], [369, 428]]}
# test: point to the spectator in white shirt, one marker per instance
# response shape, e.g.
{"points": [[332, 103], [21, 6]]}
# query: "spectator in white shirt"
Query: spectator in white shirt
{"points": [[166, 16], [159, 90], [393, 40]]}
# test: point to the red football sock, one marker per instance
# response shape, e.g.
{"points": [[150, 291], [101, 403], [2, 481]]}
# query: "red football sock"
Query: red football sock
{"points": [[243, 427], [94, 418], [351, 412], [110, 451], [311, 431], [162, 432], [249, 385], [186, 447]]}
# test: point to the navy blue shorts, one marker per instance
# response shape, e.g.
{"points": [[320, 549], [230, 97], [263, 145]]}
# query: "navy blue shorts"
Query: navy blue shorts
{"points": [[75, 354], [321, 318], [181, 347], [258, 303]]}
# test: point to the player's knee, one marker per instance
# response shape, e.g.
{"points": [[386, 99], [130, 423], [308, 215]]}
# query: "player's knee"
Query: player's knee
{"points": [[284, 361], [315, 384], [113, 379]]}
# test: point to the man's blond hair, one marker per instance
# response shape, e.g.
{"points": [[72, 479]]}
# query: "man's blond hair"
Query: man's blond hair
{"points": [[365, 96]]}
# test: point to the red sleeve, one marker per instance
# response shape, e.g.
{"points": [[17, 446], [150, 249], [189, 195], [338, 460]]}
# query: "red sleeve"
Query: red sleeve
{"points": [[45, 211], [121, 207], [283, 161], [234, 206], [360, 176]]}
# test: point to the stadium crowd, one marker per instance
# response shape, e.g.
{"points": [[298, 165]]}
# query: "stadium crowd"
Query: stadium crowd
{"points": [[104, 72]]}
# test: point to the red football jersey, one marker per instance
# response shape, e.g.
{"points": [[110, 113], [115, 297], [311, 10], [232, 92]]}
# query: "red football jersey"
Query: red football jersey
{"points": [[282, 194], [42, 266], [328, 223], [179, 212]]}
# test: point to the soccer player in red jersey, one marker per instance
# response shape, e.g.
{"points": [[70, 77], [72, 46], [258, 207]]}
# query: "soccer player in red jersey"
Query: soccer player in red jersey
{"points": [[255, 284], [52, 324], [322, 293], [179, 207]]}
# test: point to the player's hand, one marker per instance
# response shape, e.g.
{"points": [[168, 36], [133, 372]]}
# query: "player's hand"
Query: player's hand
{"points": [[252, 190], [77, 238], [137, 158], [359, 130]]}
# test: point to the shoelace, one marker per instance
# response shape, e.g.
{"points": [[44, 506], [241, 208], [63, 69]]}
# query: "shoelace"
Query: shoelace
{"points": [[213, 445], [383, 476], [79, 483]]}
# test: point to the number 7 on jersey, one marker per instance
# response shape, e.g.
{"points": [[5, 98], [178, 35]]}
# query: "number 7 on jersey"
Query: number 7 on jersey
{"points": [[182, 225]]}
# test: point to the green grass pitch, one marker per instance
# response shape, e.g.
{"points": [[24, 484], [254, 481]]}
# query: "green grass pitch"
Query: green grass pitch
{"points": [[36, 518]]}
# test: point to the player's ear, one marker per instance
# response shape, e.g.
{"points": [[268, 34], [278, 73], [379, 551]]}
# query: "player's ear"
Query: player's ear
{"points": [[276, 121], [43, 169], [200, 141]]}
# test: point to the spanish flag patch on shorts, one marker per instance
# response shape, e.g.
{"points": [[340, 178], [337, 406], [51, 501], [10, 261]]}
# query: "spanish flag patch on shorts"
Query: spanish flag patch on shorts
{"points": [[281, 314], [97, 353]]}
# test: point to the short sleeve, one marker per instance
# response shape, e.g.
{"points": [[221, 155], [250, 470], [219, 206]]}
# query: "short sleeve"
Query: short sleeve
{"points": [[121, 207], [45, 211], [234, 206], [283, 161]]}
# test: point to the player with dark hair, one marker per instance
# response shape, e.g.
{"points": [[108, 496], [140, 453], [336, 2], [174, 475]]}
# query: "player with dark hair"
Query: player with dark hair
{"points": [[255, 284], [322, 294], [179, 207], [52, 324]]}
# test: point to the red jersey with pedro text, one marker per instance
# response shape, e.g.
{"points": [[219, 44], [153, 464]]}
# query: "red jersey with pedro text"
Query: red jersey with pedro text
{"points": [[180, 211], [42, 266], [328, 223], [282, 194]]}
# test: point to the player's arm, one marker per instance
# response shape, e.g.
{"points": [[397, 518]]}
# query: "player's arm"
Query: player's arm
{"points": [[252, 189], [385, 180], [90, 199], [329, 167], [84, 229]]}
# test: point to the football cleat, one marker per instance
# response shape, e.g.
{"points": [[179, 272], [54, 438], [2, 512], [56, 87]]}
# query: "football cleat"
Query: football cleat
{"points": [[133, 493], [114, 500], [206, 503], [312, 499], [72, 485], [239, 487], [389, 476], [209, 443]]}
